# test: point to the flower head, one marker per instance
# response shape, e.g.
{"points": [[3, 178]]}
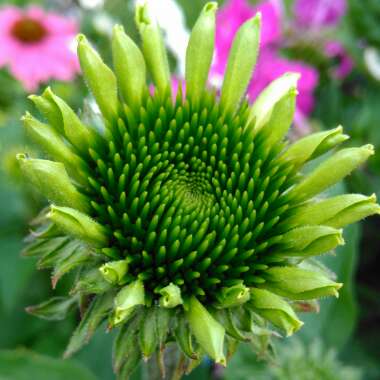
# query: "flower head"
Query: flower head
{"points": [[35, 44], [186, 220]]}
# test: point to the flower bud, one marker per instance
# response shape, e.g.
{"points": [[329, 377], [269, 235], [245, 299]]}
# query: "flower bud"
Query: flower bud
{"points": [[129, 66], [331, 171], [312, 146], [153, 47], [233, 296], [78, 225], [311, 240], [127, 299], [241, 61], [200, 51], [336, 211], [52, 180], [114, 271], [274, 107], [208, 332], [171, 296], [274, 309], [99, 77], [299, 284]]}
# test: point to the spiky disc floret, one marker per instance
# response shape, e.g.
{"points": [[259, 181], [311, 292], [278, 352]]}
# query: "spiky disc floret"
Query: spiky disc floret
{"points": [[183, 214]]}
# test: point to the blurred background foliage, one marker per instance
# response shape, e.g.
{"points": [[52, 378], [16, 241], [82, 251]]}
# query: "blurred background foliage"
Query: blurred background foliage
{"points": [[340, 342]]}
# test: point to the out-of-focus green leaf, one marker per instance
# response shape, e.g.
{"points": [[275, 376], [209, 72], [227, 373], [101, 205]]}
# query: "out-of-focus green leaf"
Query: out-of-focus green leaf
{"points": [[27, 365]]}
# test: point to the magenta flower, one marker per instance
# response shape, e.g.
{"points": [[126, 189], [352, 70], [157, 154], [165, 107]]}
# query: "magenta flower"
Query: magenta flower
{"points": [[316, 13], [35, 45], [334, 49], [270, 64]]}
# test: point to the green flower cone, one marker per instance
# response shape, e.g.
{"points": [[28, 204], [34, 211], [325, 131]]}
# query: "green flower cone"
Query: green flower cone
{"points": [[187, 218]]}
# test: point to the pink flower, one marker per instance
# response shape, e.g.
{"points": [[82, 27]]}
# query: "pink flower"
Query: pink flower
{"points": [[316, 13], [36, 45], [336, 50]]}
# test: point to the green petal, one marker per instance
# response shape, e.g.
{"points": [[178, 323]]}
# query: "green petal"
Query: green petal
{"points": [[208, 332], [299, 284], [52, 180], [79, 225], [153, 48], [200, 51], [99, 78], [129, 66], [241, 62], [332, 171], [171, 296], [274, 309], [114, 271]]}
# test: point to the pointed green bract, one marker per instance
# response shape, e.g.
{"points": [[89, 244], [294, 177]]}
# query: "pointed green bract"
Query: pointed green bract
{"points": [[241, 61], [129, 66], [52, 180], [208, 332], [200, 51], [54, 309], [79, 225], [153, 48], [274, 309], [299, 284], [99, 77]]}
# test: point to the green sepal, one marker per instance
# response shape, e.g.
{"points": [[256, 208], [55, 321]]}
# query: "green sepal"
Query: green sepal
{"points": [[335, 212], [274, 309], [148, 337], [79, 225], [171, 296], [39, 247], [92, 318], [208, 332], [332, 170], [54, 309], [52, 180], [51, 258], [240, 65], [311, 240], [274, 108], [125, 349], [199, 53], [126, 300], [226, 318], [314, 145], [183, 337], [163, 321], [79, 135], [99, 78], [232, 296], [51, 142], [114, 271], [299, 284], [91, 282], [153, 48], [129, 67]]}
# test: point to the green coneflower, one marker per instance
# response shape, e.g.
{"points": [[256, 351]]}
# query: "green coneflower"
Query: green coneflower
{"points": [[187, 221]]}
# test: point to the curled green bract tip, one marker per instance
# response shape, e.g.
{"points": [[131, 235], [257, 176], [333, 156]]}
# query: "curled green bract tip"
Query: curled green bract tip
{"points": [[187, 217]]}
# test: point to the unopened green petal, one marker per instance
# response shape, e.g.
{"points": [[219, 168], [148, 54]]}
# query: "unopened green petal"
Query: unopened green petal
{"points": [[240, 65], [153, 47], [200, 51], [99, 78], [311, 240], [52, 180], [336, 212], [332, 170], [208, 332], [274, 309], [233, 296], [79, 225], [299, 284], [114, 271], [129, 66], [171, 296], [127, 299], [274, 107], [312, 146]]}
